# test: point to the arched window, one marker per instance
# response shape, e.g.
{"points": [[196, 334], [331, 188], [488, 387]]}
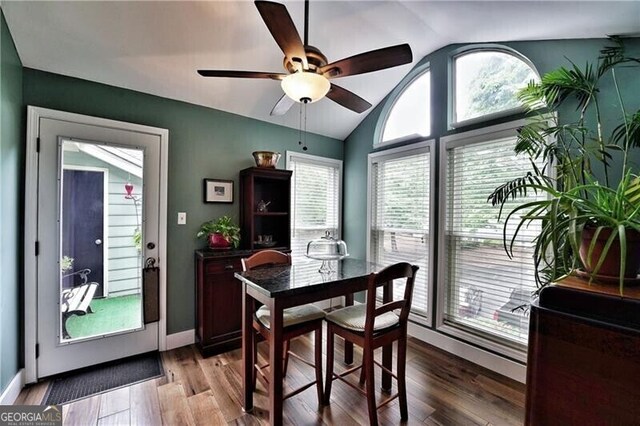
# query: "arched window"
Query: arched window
{"points": [[410, 114], [486, 82]]}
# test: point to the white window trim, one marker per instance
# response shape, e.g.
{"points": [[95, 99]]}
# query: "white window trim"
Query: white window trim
{"points": [[415, 148], [413, 75], [446, 143], [453, 120], [320, 161]]}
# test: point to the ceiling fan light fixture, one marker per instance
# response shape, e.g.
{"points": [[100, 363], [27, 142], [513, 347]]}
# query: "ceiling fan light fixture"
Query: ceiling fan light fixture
{"points": [[305, 85]]}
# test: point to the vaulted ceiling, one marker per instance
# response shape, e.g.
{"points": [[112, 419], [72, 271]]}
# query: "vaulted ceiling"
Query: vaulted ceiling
{"points": [[156, 47]]}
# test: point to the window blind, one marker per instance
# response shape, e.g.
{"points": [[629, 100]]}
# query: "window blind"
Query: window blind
{"points": [[483, 285], [315, 201], [400, 197]]}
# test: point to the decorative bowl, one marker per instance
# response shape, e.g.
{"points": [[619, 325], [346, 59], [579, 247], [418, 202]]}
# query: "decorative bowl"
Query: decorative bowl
{"points": [[267, 159]]}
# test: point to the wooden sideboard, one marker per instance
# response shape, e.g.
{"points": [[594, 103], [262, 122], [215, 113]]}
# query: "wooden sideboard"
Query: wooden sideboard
{"points": [[584, 356], [218, 300]]}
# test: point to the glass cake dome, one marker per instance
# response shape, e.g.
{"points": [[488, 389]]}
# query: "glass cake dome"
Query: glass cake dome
{"points": [[327, 249]]}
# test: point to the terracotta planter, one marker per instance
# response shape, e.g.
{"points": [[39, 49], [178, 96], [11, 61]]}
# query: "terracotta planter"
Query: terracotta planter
{"points": [[611, 266], [217, 241]]}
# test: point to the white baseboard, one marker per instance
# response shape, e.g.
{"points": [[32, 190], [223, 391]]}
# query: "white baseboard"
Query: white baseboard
{"points": [[12, 391], [183, 338], [488, 360]]}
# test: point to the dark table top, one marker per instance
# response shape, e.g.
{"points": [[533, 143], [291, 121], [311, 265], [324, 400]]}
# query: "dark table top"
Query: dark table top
{"points": [[303, 277]]}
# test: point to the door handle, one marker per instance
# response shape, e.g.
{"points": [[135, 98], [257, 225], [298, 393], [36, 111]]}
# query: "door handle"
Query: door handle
{"points": [[98, 241]]}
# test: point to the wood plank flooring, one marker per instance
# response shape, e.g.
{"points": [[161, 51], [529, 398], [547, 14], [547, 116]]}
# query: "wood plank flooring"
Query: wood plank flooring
{"points": [[442, 390]]}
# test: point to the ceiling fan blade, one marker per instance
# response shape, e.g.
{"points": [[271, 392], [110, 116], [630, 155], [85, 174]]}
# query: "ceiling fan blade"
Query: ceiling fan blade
{"points": [[242, 74], [348, 99], [283, 30], [283, 105], [373, 60]]}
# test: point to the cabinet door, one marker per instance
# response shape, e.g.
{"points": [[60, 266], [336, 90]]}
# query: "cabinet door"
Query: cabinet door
{"points": [[223, 307]]}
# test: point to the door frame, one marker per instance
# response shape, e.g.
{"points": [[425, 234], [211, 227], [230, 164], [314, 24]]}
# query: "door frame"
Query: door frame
{"points": [[105, 221], [34, 114]]}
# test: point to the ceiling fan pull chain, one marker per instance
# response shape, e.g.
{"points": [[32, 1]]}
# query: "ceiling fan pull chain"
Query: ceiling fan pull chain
{"points": [[300, 125], [305, 101]]}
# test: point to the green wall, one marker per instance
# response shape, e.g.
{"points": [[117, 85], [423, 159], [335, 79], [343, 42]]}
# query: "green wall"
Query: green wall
{"points": [[11, 201], [203, 143], [545, 55]]}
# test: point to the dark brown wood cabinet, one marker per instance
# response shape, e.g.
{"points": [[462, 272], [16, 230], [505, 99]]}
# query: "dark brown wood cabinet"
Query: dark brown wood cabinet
{"points": [[218, 300], [583, 366], [272, 186]]}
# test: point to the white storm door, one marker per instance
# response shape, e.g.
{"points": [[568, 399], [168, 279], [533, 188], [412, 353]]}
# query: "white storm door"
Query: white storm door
{"points": [[89, 310]]}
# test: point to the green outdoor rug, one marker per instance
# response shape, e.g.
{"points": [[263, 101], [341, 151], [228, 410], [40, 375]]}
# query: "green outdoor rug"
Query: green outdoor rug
{"points": [[110, 314]]}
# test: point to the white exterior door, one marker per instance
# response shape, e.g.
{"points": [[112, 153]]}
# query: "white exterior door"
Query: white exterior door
{"points": [[94, 233]]}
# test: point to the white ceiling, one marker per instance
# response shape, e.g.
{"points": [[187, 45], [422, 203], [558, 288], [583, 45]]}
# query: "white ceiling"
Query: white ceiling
{"points": [[156, 47]]}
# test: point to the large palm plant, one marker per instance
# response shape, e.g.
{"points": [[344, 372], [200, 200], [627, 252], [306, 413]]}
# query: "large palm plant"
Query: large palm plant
{"points": [[586, 175]]}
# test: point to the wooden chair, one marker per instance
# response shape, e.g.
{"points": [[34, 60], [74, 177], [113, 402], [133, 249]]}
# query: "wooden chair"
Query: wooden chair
{"points": [[371, 327], [297, 321]]}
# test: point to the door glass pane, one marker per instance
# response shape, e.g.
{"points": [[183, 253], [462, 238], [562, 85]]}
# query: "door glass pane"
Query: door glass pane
{"points": [[100, 240]]}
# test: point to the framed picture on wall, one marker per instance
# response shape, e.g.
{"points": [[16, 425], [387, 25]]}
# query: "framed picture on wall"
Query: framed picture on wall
{"points": [[218, 191]]}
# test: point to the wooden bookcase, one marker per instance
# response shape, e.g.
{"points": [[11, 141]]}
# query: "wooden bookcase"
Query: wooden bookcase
{"points": [[272, 186]]}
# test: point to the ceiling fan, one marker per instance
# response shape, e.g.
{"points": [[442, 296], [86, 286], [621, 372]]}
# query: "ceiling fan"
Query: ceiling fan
{"points": [[308, 71]]}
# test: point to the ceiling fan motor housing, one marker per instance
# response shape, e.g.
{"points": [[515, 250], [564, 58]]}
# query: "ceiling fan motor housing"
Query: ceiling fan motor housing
{"points": [[315, 59]]}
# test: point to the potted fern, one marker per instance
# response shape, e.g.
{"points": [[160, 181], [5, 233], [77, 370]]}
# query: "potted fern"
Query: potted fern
{"points": [[221, 233], [589, 215]]}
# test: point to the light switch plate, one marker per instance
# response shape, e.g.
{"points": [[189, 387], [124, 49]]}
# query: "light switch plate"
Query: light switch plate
{"points": [[182, 218]]}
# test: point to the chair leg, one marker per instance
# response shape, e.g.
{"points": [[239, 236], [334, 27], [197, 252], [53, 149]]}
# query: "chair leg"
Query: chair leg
{"points": [[318, 362], [255, 360], [370, 385], [329, 376], [363, 373], [287, 346], [401, 373]]}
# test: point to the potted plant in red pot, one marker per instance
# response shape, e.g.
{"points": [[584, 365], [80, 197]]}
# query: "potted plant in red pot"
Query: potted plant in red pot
{"points": [[589, 211], [222, 233]]}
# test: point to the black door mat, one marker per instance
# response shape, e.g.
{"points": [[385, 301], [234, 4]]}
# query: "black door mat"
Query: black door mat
{"points": [[104, 377]]}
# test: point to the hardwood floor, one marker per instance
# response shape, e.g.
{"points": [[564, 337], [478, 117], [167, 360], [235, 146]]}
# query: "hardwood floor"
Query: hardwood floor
{"points": [[442, 390]]}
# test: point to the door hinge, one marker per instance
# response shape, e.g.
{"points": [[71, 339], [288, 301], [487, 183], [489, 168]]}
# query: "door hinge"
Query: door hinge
{"points": [[37, 248], [38, 144], [37, 350]]}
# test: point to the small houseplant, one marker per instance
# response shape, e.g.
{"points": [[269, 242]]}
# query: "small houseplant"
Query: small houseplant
{"points": [[590, 217], [66, 264], [221, 233]]}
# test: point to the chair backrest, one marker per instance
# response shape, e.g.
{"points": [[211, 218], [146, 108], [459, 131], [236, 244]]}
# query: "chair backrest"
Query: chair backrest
{"points": [[265, 258], [388, 274]]}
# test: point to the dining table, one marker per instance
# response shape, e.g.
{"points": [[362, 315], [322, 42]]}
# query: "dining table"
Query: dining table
{"points": [[284, 286]]}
